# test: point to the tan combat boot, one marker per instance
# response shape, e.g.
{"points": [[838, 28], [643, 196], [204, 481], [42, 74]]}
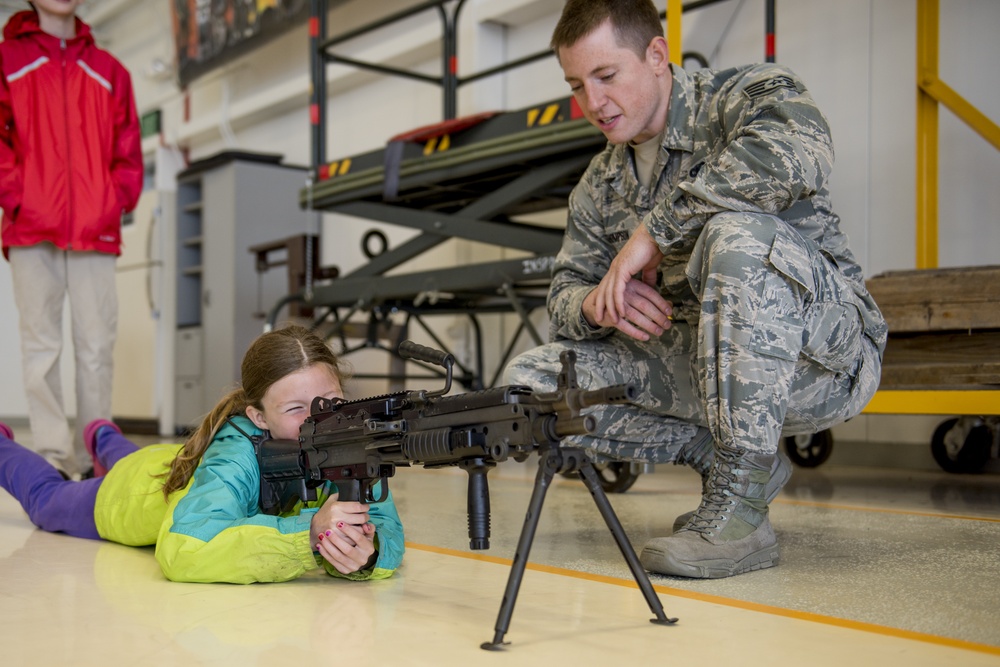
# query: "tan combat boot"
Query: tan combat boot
{"points": [[730, 532]]}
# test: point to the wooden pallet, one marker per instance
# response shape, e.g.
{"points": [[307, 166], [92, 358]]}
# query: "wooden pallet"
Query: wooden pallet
{"points": [[943, 352]]}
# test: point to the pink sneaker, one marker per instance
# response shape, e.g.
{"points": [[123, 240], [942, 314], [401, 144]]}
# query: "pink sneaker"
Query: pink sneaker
{"points": [[6, 431], [90, 432]]}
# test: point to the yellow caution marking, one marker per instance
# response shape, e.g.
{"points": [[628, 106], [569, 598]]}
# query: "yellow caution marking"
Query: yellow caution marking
{"points": [[549, 115]]}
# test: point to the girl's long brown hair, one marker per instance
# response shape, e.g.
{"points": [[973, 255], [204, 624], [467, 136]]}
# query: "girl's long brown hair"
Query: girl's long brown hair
{"points": [[271, 357]]}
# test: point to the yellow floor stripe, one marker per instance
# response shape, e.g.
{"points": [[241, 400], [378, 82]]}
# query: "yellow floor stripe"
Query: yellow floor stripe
{"points": [[728, 602]]}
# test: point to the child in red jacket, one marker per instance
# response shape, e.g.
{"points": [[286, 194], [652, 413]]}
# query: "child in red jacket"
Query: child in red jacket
{"points": [[70, 166]]}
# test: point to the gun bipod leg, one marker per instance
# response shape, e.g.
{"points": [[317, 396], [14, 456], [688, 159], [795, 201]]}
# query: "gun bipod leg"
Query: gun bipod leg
{"points": [[593, 482], [548, 466]]}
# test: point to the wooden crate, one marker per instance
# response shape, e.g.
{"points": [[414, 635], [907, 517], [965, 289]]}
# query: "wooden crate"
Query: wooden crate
{"points": [[944, 340], [942, 361], [925, 300]]}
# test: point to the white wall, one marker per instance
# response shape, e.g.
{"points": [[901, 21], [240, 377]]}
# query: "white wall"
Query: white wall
{"points": [[857, 56]]}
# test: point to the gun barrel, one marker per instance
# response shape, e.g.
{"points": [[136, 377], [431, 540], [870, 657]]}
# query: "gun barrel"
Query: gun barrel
{"points": [[618, 393]]}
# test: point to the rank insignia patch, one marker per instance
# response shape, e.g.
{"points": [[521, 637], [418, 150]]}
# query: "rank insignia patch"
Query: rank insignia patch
{"points": [[764, 87]]}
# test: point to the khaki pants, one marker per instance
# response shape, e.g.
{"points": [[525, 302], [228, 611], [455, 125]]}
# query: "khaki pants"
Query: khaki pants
{"points": [[44, 277]]}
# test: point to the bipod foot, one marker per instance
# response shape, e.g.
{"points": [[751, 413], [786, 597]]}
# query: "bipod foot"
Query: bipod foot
{"points": [[496, 645]]}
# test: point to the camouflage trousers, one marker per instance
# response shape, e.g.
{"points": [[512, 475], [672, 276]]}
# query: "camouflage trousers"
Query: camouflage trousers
{"points": [[774, 346]]}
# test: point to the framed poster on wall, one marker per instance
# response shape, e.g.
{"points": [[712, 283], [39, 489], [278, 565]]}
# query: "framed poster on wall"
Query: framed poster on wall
{"points": [[208, 33]]}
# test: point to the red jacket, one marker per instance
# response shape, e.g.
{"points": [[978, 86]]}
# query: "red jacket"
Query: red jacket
{"points": [[70, 154]]}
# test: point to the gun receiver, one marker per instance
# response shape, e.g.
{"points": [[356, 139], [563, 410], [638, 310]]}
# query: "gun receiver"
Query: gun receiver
{"points": [[358, 444]]}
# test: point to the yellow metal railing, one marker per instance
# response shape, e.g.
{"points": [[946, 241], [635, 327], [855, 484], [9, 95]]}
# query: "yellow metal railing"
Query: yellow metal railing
{"points": [[934, 402], [932, 91], [674, 10]]}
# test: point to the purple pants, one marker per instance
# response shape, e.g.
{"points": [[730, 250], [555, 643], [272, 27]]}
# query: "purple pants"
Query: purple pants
{"points": [[53, 503]]}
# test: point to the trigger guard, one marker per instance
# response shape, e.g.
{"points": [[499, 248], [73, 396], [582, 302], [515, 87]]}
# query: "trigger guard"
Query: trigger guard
{"points": [[370, 491]]}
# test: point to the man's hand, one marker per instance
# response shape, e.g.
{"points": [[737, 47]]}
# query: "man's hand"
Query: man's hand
{"points": [[633, 306]]}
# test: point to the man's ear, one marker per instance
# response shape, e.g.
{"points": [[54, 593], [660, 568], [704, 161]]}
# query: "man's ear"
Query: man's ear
{"points": [[257, 417], [658, 54]]}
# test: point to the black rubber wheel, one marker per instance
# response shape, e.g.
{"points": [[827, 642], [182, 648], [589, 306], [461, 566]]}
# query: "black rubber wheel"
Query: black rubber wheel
{"points": [[615, 476], [975, 451], [809, 451]]}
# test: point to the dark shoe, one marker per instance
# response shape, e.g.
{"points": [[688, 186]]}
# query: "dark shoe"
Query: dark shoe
{"points": [[90, 433], [730, 532]]}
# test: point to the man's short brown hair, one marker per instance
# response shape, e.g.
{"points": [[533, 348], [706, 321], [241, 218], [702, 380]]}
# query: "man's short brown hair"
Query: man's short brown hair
{"points": [[636, 23]]}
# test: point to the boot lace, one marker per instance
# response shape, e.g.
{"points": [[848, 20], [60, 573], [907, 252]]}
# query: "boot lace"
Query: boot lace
{"points": [[718, 501]]}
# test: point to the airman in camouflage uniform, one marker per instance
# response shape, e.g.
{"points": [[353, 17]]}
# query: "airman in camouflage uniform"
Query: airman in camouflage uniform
{"points": [[722, 285]]}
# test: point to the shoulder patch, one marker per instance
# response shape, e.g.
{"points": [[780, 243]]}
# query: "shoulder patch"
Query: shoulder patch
{"points": [[766, 86]]}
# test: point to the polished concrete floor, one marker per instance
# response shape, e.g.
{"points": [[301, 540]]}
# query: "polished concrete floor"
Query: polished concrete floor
{"points": [[879, 567]]}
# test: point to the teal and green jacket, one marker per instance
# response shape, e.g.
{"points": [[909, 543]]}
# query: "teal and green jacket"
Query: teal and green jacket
{"points": [[213, 530]]}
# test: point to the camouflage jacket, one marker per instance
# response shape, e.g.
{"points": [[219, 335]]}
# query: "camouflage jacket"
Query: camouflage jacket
{"points": [[747, 139]]}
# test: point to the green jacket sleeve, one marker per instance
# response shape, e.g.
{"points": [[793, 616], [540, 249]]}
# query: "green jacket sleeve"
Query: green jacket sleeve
{"points": [[215, 533]]}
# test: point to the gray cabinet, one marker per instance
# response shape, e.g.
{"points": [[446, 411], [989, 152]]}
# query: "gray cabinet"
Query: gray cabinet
{"points": [[226, 204]]}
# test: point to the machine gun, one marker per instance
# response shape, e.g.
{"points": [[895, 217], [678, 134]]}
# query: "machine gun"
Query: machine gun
{"points": [[358, 445]]}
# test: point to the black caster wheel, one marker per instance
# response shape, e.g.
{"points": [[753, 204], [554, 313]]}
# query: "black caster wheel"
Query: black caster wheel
{"points": [[809, 451], [958, 454], [615, 476]]}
